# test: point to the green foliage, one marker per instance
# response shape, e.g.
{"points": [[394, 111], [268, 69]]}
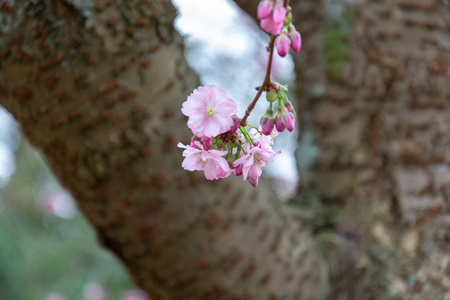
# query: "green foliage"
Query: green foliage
{"points": [[41, 253]]}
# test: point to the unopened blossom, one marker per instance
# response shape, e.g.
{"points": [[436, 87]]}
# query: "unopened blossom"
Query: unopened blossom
{"points": [[265, 8], [210, 111], [279, 12], [209, 161], [296, 41], [236, 124], [282, 43], [284, 119], [267, 122], [271, 19]]}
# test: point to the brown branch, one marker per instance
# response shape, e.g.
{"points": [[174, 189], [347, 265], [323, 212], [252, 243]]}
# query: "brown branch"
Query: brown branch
{"points": [[266, 82], [264, 85]]}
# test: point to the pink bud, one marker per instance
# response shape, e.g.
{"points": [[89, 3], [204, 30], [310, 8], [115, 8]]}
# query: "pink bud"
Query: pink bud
{"points": [[266, 125], [270, 26], [282, 44], [279, 13], [264, 9], [280, 122], [194, 138], [236, 124], [290, 108], [290, 121], [239, 170], [296, 41], [207, 142]]}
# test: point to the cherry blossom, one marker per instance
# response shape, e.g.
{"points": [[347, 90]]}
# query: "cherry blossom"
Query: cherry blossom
{"points": [[254, 161], [210, 161], [210, 111]]}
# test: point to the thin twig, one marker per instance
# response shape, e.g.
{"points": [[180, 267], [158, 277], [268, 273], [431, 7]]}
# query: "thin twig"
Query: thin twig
{"points": [[264, 85]]}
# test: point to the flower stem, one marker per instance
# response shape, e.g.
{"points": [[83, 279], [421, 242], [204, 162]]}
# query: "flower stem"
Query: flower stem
{"points": [[266, 82], [264, 85]]}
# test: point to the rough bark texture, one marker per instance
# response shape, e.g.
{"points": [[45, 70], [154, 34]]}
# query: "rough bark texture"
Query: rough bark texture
{"points": [[382, 126], [374, 89], [98, 89]]}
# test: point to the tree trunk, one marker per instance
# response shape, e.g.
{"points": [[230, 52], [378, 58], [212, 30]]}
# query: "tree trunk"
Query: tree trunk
{"points": [[374, 91], [381, 119], [99, 89]]}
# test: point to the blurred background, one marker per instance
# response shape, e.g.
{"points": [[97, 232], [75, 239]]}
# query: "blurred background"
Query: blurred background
{"points": [[47, 249]]}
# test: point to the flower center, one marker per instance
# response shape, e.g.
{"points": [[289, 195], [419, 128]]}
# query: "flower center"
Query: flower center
{"points": [[210, 111]]}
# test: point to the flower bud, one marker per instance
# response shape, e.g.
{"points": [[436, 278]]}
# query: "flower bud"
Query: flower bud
{"points": [[296, 41], [288, 19], [280, 121], [271, 95], [239, 170], [290, 108], [270, 26], [279, 12], [264, 9], [207, 142], [282, 44], [290, 121], [267, 122], [236, 124]]}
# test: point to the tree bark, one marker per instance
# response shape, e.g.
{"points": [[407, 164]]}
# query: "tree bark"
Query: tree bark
{"points": [[373, 89], [99, 89]]}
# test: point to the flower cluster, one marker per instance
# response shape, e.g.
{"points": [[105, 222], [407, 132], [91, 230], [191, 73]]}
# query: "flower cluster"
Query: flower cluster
{"points": [[285, 115], [277, 20], [221, 144], [218, 148]]}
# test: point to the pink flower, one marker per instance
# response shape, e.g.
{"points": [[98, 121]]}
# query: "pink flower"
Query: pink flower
{"points": [[282, 43], [209, 161], [264, 9], [209, 110], [296, 41], [254, 161]]}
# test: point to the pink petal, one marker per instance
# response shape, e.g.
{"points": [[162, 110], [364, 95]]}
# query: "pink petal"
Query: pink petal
{"points": [[193, 162], [227, 108], [210, 169]]}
